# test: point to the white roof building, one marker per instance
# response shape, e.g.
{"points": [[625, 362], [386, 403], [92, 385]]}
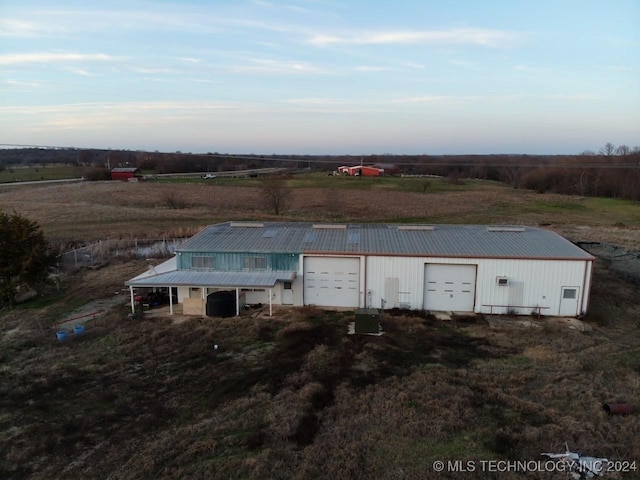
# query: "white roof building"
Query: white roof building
{"points": [[459, 268]]}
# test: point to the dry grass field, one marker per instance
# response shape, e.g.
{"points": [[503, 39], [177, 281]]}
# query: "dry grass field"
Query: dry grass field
{"points": [[96, 210], [293, 396]]}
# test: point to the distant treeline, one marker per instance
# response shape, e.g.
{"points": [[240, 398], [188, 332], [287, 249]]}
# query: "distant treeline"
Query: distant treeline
{"points": [[611, 173]]}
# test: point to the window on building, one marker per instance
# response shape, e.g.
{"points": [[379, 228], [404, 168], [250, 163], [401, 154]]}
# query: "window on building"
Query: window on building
{"points": [[255, 263], [205, 263]]}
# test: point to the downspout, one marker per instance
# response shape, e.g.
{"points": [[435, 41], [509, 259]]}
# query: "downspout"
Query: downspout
{"points": [[588, 265], [365, 282], [237, 302], [133, 305], [270, 302], [170, 302]]}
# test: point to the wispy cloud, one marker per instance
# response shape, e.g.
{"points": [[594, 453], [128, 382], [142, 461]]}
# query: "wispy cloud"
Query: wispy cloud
{"points": [[23, 58], [153, 70], [572, 96], [18, 83], [273, 67], [462, 63], [469, 36], [290, 7], [368, 68], [189, 59], [80, 71], [13, 27]]}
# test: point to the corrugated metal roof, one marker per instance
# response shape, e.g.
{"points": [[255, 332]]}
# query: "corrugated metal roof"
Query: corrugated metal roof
{"points": [[186, 278], [387, 239], [167, 266]]}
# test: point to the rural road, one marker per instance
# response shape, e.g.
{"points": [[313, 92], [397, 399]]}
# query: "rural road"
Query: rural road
{"points": [[41, 182]]}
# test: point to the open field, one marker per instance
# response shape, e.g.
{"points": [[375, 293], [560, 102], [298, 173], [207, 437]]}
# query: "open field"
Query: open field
{"points": [[293, 396], [97, 210], [49, 172]]}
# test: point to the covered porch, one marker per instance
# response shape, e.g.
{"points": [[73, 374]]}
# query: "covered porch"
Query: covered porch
{"points": [[197, 285]]}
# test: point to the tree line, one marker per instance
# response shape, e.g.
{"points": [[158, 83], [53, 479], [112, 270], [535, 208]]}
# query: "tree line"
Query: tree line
{"points": [[612, 172]]}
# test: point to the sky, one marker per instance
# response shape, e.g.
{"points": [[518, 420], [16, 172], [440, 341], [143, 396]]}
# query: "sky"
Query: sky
{"points": [[321, 76]]}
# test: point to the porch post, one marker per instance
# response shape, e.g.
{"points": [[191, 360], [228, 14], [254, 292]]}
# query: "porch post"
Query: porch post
{"points": [[133, 305], [270, 302], [170, 302], [237, 302], [204, 301]]}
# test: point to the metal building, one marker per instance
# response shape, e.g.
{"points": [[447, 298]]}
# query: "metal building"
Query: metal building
{"points": [[458, 268], [126, 174]]}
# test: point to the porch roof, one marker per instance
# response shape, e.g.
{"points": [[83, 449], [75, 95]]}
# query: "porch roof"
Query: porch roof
{"points": [[186, 278]]}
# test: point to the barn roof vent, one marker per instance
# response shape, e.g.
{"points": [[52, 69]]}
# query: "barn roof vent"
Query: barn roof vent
{"points": [[505, 229], [417, 227], [331, 226], [247, 224]]}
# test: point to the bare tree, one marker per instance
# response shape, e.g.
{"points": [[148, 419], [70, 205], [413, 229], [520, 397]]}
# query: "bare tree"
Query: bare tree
{"points": [[608, 149], [513, 175], [623, 150], [275, 192]]}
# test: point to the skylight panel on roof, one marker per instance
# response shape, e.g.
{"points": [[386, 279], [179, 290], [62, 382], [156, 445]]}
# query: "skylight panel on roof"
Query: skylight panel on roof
{"points": [[247, 224], [332, 226], [353, 238], [505, 229], [416, 227], [270, 233]]}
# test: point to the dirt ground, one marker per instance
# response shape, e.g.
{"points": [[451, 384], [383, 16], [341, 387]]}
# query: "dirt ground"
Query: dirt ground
{"points": [[293, 396]]}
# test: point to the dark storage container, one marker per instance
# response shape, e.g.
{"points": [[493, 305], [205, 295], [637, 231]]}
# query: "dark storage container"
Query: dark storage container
{"points": [[221, 304], [367, 320]]}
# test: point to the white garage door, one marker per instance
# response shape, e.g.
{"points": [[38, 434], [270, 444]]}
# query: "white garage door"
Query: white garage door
{"points": [[449, 287], [332, 281]]}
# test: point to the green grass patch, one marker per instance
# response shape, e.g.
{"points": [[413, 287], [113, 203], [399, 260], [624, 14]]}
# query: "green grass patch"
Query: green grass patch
{"points": [[629, 359], [425, 185], [424, 451], [31, 174], [543, 207]]}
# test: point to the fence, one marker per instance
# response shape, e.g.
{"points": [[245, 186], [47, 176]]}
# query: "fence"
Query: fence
{"points": [[79, 320], [625, 262], [99, 253]]}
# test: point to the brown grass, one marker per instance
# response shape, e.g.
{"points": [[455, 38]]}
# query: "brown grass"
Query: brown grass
{"points": [[96, 210], [293, 396]]}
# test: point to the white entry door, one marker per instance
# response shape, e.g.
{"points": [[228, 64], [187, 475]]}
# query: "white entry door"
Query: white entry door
{"points": [[332, 281], [449, 287], [287, 293], [569, 301]]}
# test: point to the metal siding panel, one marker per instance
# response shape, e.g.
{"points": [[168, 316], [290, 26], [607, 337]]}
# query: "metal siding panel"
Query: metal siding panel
{"points": [[542, 279]]}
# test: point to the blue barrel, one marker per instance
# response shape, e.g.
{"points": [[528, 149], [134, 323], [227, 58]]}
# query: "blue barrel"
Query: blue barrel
{"points": [[61, 335], [78, 330]]}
